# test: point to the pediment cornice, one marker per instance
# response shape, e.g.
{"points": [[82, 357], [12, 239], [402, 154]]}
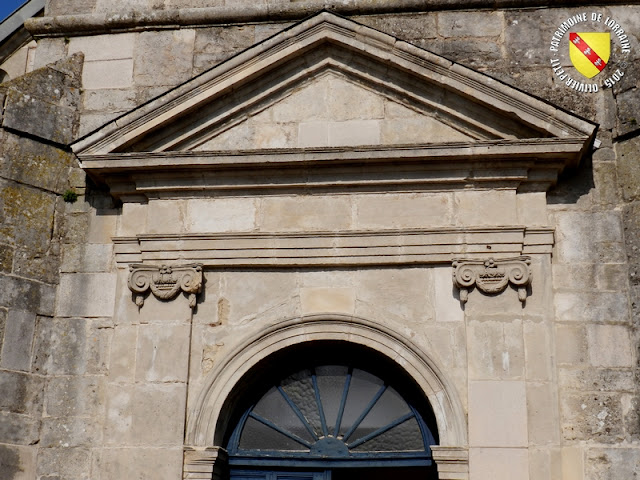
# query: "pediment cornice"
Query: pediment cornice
{"points": [[503, 123]]}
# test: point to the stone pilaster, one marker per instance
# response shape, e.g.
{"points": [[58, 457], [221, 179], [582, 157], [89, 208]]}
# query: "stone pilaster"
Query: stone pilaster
{"points": [[453, 462], [205, 463]]}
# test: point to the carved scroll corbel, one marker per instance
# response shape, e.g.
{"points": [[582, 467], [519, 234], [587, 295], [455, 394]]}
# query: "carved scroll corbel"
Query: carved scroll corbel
{"points": [[492, 276], [165, 282]]}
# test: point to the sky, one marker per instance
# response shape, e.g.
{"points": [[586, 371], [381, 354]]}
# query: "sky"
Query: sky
{"points": [[7, 7]]}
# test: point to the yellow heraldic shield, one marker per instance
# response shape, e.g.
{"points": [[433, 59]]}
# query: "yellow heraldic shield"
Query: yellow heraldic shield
{"points": [[589, 52]]}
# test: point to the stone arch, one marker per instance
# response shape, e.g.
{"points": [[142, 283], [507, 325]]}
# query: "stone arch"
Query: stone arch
{"points": [[204, 423]]}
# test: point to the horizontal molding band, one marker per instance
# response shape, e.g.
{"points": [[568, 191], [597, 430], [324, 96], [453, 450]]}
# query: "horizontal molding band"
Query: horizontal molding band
{"points": [[93, 24], [311, 249]]}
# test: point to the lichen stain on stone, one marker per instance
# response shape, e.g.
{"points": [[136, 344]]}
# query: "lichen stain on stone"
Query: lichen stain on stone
{"points": [[10, 463]]}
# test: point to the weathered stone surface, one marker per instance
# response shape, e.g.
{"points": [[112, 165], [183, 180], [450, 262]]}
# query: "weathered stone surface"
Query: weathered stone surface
{"points": [[215, 44], [176, 63], [413, 28], [133, 413], [628, 168], [71, 346], [610, 346], [64, 463], [27, 215], [628, 111], [103, 47], [20, 429], [598, 379], [571, 344], [22, 393], [74, 396], [596, 416], [17, 462], [609, 463], [25, 294], [42, 102], [36, 164], [70, 432], [18, 339], [474, 24], [137, 462], [87, 294]]}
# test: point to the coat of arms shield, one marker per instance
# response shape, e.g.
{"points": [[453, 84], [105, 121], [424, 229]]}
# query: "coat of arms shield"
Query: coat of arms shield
{"points": [[589, 52]]}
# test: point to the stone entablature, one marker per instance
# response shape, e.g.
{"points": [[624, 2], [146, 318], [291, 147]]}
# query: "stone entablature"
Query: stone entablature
{"points": [[344, 248]]}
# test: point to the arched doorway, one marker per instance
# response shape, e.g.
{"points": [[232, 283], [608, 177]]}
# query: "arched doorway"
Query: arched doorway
{"points": [[252, 366], [329, 410]]}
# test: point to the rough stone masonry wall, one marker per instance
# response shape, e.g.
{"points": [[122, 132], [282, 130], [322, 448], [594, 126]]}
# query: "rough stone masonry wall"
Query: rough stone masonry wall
{"points": [[595, 210], [39, 117]]}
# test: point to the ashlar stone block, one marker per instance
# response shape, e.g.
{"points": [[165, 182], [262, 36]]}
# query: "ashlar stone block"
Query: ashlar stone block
{"points": [[108, 74], [403, 211], [354, 132], [543, 415], [220, 215], [499, 463], [120, 463], [17, 345], [18, 462], [305, 213], [498, 414], [163, 353], [490, 207], [610, 346], [323, 300], [447, 297], [495, 349], [74, 396], [103, 47], [145, 414], [470, 24], [86, 295], [171, 68], [571, 344]]}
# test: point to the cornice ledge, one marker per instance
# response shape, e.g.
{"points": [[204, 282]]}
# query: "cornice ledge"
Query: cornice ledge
{"points": [[91, 24], [347, 248]]}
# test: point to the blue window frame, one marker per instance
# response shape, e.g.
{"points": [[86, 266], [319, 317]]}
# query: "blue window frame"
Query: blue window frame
{"points": [[328, 416]]}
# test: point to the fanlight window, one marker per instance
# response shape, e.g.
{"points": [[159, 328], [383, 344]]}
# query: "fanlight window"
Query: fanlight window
{"points": [[332, 412]]}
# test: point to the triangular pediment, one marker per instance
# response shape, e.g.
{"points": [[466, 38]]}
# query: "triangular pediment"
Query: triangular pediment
{"points": [[325, 84]]}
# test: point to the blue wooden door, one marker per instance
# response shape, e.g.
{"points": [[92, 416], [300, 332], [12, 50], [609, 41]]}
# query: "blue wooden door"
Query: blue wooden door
{"points": [[237, 474]]}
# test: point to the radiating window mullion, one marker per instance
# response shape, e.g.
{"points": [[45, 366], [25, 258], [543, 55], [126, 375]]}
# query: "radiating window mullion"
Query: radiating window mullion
{"points": [[298, 413], [284, 432], [323, 421], [381, 430], [343, 402], [365, 412]]}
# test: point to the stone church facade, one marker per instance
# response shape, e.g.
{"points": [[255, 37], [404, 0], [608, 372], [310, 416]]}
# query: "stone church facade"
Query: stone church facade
{"points": [[226, 224]]}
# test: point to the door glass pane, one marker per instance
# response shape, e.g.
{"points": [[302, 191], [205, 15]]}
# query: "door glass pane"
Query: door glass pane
{"points": [[275, 408], [389, 407], [362, 390], [257, 436], [405, 437], [331, 385], [299, 387]]}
